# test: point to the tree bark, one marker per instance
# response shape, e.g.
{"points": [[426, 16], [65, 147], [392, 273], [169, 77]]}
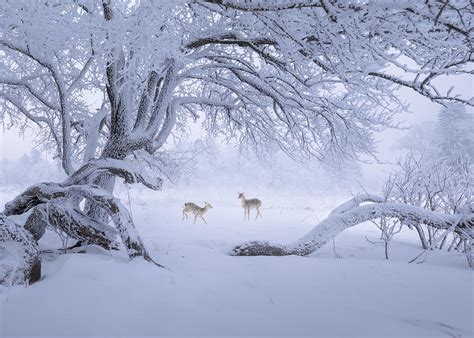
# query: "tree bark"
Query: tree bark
{"points": [[115, 151]]}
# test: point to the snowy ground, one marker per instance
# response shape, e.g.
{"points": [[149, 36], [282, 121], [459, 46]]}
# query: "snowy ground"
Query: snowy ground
{"points": [[203, 291]]}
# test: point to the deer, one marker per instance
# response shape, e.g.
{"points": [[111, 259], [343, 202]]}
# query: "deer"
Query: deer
{"points": [[252, 203], [196, 210]]}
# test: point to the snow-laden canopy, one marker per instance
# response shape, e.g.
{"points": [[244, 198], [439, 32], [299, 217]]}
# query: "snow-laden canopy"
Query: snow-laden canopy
{"points": [[106, 79]]}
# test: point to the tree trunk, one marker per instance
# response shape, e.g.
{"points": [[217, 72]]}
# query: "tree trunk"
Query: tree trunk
{"points": [[20, 260], [422, 236], [92, 209], [113, 150]]}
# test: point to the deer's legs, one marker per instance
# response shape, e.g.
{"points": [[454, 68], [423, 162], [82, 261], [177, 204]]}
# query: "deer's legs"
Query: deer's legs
{"points": [[203, 219], [258, 213], [195, 217], [185, 215]]}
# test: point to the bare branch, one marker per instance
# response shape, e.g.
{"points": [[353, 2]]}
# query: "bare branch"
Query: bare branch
{"points": [[265, 6]]}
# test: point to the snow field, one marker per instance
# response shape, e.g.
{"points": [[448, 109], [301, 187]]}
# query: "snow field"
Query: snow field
{"points": [[203, 291]]}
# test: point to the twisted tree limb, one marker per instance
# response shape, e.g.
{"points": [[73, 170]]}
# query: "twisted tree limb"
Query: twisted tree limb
{"points": [[56, 204], [42, 192], [31, 197], [73, 222], [126, 170]]}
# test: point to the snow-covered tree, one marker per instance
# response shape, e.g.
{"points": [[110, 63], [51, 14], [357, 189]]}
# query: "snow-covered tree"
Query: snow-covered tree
{"points": [[438, 174], [314, 77], [454, 130], [109, 80]]}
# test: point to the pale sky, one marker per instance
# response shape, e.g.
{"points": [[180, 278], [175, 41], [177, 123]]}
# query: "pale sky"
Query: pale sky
{"points": [[13, 145], [422, 110]]}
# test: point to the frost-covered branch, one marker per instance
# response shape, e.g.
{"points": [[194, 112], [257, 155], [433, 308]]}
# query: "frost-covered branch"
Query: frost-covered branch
{"points": [[421, 88], [65, 117], [64, 216], [257, 6], [54, 204], [126, 170], [357, 201]]}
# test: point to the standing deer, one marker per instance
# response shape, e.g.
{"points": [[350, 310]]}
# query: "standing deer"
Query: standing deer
{"points": [[247, 204], [196, 210]]}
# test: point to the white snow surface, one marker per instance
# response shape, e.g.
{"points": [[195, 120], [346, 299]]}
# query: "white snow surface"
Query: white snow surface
{"points": [[352, 291]]}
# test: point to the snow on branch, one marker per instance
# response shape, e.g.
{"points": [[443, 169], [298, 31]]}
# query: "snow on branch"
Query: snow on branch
{"points": [[229, 39], [120, 217], [265, 6], [357, 201], [121, 168], [62, 100], [62, 214], [31, 197]]}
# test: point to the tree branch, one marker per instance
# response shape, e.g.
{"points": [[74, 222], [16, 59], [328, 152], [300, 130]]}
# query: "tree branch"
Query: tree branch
{"points": [[121, 168], [265, 6], [65, 117]]}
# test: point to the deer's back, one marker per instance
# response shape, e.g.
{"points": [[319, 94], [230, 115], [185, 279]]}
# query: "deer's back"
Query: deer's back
{"points": [[191, 207], [253, 202]]}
